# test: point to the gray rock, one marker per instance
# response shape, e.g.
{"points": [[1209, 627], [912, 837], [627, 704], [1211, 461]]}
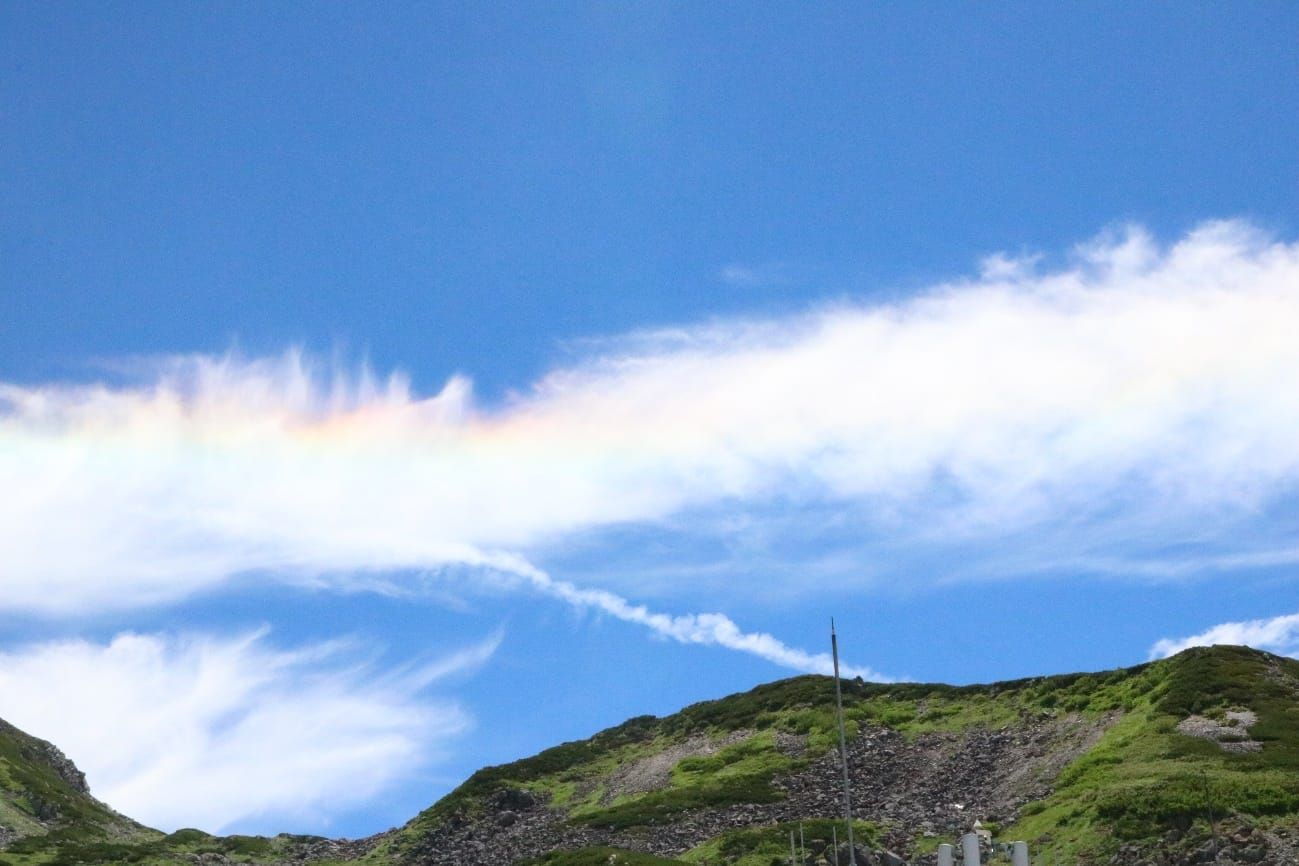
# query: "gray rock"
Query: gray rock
{"points": [[888, 858]]}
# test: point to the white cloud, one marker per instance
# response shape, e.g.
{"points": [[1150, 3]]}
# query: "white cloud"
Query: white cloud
{"points": [[1138, 384], [183, 730], [704, 629], [1279, 634]]}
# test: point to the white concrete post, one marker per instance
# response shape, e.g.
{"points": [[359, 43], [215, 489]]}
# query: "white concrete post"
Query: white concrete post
{"points": [[1019, 854], [945, 855], [970, 849]]}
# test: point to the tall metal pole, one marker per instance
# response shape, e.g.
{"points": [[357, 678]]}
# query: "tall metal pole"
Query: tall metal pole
{"points": [[792, 860], [834, 844], [843, 746], [1208, 805], [802, 846]]}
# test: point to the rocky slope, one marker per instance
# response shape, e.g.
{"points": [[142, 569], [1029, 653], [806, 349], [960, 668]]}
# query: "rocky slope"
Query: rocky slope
{"points": [[1189, 760], [1142, 765], [931, 783], [43, 795]]}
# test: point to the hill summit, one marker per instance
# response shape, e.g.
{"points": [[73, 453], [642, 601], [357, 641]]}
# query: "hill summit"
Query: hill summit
{"points": [[1190, 759]]}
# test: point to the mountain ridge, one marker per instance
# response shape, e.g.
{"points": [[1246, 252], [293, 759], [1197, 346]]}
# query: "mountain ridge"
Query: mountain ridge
{"points": [[1156, 760]]}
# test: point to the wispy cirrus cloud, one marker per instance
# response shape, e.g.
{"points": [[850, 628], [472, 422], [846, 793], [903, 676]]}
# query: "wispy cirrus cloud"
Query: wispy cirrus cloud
{"points": [[1137, 384], [1280, 635], [221, 730]]}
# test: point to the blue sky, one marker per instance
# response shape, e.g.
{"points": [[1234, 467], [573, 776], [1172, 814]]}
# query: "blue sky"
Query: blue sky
{"points": [[365, 371]]}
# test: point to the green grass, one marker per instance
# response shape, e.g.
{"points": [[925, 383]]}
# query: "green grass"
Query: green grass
{"points": [[534, 772], [149, 852], [34, 796], [739, 773], [67, 846], [769, 846], [659, 807], [57, 824], [1144, 778], [601, 857]]}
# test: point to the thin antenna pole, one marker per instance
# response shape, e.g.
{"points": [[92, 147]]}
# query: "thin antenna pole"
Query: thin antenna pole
{"points": [[834, 844], [792, 860], [843, 746], [802, 846], [1208, 805]]}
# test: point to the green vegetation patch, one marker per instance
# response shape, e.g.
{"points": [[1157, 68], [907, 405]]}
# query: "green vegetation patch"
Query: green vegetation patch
{"points": [[769, 846], [1144, 777], [62, 848], [659, 807], [534, 772], [754, 757], [739, 773], [600, 857], [32, 791]]}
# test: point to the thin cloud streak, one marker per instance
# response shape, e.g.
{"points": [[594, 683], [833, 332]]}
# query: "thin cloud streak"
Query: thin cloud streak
{"points": [[704, 629], [219, 731]]}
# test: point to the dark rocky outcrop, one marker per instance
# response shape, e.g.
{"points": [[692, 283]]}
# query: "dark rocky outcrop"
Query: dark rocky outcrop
{"points": [[42, 752]]}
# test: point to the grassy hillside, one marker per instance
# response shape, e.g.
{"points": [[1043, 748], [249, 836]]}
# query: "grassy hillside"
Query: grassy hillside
{"points": [[1146, 778], [801, 706], [44, 804], [1139, 783], [1142, 779], [49, 818]]}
